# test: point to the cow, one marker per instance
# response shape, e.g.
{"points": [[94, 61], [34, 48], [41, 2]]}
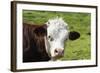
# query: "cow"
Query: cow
{"points": [[46, 42]]}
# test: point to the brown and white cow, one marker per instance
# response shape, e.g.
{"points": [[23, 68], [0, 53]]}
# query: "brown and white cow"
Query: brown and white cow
{"points": [[46, 42]]}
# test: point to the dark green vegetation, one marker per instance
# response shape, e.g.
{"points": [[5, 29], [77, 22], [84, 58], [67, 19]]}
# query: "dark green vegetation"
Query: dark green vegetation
{"points": [[74, 50]]}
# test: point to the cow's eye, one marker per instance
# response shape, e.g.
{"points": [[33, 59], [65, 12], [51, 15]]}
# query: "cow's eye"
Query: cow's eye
{"points": [[48, 22], [50, 38]]}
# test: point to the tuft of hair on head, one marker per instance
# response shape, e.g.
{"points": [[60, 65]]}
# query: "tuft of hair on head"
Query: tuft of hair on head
{"points": [[56, 19], [61, 21]]}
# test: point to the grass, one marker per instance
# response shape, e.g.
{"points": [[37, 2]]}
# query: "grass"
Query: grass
{"points": [[79, 49]]}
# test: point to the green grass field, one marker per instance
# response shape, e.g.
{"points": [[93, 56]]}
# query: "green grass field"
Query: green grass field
{"points": [[79, 49]]}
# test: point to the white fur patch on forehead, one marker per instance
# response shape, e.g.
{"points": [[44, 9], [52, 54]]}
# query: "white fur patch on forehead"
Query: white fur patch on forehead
{"points": [[56, 26], [57, 22]]}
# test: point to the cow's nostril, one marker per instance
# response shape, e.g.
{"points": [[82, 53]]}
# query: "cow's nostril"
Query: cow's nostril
{"points": [[62, 51], [56, 51]]}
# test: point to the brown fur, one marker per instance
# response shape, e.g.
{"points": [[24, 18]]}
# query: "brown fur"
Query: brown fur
{"points": [[33, 43]]}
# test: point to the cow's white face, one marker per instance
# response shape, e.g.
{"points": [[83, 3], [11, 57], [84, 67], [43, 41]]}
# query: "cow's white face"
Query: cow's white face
{"points": [[57, 33]]}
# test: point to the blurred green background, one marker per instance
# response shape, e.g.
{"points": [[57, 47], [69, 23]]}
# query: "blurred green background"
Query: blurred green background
{"points": [[79, 49]]}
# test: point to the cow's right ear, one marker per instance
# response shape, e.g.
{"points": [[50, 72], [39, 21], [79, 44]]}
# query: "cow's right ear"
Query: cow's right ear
{"points": [[40, 31], [73, 35]]}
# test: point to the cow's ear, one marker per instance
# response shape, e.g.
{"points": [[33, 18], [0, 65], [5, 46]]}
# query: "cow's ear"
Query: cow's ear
{"points": [[40, 31], [73, 35]]}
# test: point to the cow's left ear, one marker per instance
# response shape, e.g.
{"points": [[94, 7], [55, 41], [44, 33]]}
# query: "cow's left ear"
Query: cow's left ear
{"points": [[73, 35]]}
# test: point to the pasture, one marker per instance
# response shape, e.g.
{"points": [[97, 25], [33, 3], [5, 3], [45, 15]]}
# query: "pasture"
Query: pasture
{"points": [[79, 49]]}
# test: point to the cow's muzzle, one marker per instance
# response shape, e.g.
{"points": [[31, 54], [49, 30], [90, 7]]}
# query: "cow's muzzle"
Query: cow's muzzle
{"points": [[59, 52]]}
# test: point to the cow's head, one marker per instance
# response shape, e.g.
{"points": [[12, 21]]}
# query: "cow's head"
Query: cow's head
{"points": [[57, 34]]}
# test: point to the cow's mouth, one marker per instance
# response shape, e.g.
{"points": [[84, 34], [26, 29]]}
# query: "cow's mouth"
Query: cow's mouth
{"points": [[57, 57]]}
